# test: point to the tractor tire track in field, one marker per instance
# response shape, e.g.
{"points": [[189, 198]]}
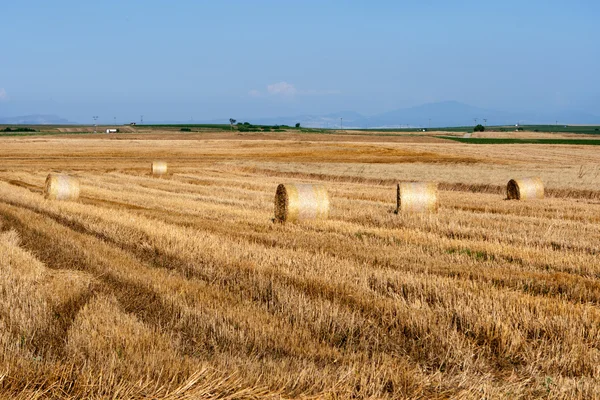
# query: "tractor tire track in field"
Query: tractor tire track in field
{"points": [[148, 307], [241, 279], [32, 188], [133, 297], [57, 254], [43, 247]]}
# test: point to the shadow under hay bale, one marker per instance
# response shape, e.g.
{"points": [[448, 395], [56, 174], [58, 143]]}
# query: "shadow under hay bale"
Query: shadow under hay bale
{"points": [[159, 168], [61, 187], [525, 189], [417, 197], [300, 202]]}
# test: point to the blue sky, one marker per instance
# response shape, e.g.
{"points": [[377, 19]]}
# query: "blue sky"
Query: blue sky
{"points": [[206, 60]]}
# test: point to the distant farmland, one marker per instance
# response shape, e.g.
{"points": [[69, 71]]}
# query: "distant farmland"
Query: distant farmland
{"points": [[589, 142], [581, 129], [183, 287]]}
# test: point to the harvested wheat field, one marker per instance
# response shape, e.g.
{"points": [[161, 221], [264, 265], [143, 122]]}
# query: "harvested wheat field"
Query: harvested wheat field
{"points": [[183, 287]]}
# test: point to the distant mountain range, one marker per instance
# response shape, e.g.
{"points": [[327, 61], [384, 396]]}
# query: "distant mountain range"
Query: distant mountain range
{"points": [[34, 119], [441, 114]]}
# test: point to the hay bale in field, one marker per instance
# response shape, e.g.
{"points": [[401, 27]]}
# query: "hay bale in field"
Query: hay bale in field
{"points": [[417, 197], [61, 187], [525, 188], [159, 167], [299, 202]]}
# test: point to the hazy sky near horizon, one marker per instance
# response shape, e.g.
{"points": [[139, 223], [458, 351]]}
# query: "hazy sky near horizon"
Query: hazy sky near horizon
{"points": [[215, 59]]}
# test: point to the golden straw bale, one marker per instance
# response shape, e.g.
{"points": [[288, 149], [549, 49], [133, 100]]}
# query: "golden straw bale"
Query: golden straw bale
{"points": [[61, 187], [417, 197], [525, 188], [159, 167], [299, 202]]}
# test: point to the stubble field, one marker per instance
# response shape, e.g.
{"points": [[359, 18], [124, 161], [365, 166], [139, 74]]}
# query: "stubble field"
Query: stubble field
{"points": [[183, 287]]}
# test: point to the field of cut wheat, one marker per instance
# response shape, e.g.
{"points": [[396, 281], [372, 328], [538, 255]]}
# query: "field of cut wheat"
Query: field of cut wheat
{"points": [[182, 286]]}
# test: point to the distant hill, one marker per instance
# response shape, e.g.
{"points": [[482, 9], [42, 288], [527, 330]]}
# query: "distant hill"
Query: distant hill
{"points": [[34, 119], [441, 114]]}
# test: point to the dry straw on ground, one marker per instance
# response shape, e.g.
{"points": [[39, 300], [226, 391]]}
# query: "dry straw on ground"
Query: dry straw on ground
{"points": [[159, 167], [61, 187], [524, 189], [417, 197], [299, 202], [152, 280]]}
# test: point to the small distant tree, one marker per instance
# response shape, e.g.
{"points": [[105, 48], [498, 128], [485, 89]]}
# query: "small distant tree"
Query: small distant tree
{"points": [[231, 122], [297, 124], [479, 128]]}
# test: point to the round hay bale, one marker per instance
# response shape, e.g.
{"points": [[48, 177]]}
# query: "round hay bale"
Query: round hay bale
{"points": [[159, 167], [417, 197], [525, 188], [61, 187], [300, 202]]}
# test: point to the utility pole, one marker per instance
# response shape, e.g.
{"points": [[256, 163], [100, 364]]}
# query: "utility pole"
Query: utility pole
{"points": [[141, 120], [341, 124], [95, 117], [485, 122], [429, 123], [475, 119], [115, 118]]}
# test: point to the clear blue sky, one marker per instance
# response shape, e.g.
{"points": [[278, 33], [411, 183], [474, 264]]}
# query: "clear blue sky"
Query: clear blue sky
{"points": [[172, 60]]}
